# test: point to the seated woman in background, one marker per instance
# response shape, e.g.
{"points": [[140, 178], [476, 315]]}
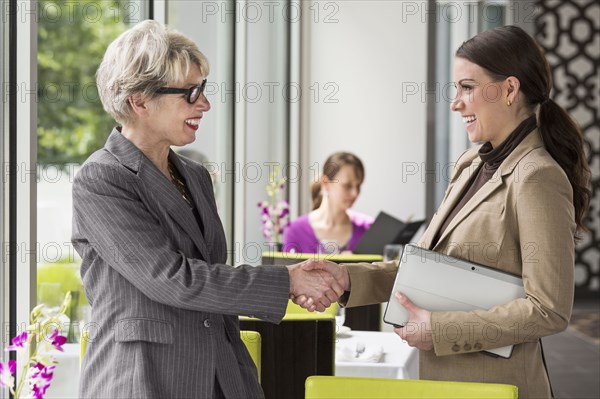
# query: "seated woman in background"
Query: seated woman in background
{"points": [[331, 227]]}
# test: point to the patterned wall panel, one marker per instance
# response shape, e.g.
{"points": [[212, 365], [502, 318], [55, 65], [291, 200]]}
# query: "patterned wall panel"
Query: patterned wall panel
{"points": [[569, 32]]}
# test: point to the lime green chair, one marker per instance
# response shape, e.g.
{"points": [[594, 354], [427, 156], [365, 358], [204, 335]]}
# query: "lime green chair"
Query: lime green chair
{"points": [[253, 343], [325, 387], [296, 312]]}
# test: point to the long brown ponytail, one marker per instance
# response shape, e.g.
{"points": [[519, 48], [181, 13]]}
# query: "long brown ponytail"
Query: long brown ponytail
{"points": [[564, 141]]}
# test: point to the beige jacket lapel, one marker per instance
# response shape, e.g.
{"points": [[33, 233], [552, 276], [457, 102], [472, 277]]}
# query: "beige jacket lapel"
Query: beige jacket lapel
{"points": [[463, 176], [466, 167]]}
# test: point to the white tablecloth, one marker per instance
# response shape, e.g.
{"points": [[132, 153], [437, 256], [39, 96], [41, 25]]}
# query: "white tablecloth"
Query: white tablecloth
{"points": [[399, 360]]}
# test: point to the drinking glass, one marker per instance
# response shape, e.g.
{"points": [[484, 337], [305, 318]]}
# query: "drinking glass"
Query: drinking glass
{"points": [[340, 317], [328, 247], [392, 252]]}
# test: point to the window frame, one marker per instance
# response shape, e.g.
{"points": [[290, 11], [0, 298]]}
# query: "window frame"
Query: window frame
{"points": [[5, 292]]}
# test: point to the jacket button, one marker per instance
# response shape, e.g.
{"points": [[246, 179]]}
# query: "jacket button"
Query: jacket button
{"points": [[207, 323], [455, 348], [478, 346], [467, 347]]}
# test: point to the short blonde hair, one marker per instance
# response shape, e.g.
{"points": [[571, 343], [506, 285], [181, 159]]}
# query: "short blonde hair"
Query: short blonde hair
{"points": [[140, 61]]}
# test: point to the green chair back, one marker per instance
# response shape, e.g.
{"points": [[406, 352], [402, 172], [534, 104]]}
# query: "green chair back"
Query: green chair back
{"points": [[253, 342], [295, 312], [325, 387]]}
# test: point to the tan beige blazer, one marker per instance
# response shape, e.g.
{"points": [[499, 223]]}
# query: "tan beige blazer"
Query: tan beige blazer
{"points": [[522, 222]]}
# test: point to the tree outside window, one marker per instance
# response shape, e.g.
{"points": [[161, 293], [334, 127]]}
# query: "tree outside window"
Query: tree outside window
{"points": [[72, 124]]}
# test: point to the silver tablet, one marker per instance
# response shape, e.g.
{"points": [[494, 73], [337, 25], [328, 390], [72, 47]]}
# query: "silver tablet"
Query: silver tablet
{"points": [[439, 282]]}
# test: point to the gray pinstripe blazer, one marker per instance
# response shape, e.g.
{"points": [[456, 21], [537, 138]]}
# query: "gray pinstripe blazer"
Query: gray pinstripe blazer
{"points": [[164, 306]]}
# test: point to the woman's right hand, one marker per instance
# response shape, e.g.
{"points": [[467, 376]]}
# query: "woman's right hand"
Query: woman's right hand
{"points": [[339, 284]]}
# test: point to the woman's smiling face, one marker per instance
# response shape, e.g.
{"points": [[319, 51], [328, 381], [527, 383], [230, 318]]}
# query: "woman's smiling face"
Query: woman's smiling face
{"points": [[173, 119], [480, 101]]}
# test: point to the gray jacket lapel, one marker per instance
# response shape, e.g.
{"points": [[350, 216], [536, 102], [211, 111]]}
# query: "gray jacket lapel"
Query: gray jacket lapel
{"points": [[199, 195], [159, 188]]}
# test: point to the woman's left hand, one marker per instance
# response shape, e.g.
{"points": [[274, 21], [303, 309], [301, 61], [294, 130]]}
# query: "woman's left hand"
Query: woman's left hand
{"points": [[417, 332]]}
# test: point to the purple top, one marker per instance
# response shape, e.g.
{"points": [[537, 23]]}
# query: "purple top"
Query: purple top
{"points": [[300, 236]]}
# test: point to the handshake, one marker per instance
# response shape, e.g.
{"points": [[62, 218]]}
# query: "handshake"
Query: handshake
{"points": [[316, 284]]}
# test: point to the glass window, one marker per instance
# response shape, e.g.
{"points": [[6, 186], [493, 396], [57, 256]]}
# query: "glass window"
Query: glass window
{"points": [[72, 124], [241, 151], [456, 22], [211, 26], [4, 288]]}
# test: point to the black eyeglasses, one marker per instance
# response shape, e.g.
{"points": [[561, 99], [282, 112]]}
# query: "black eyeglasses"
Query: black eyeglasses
{"points": [[191, 95]]}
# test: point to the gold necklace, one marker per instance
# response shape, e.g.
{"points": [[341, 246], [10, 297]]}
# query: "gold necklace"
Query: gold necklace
{"points": [[179, 184]]}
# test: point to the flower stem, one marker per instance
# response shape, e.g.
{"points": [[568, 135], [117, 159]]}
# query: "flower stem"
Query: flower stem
{"points": [[17, 394]]}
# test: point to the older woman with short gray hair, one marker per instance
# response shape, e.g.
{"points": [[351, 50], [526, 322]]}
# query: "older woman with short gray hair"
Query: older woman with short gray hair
{"points": [[165, 306]]}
